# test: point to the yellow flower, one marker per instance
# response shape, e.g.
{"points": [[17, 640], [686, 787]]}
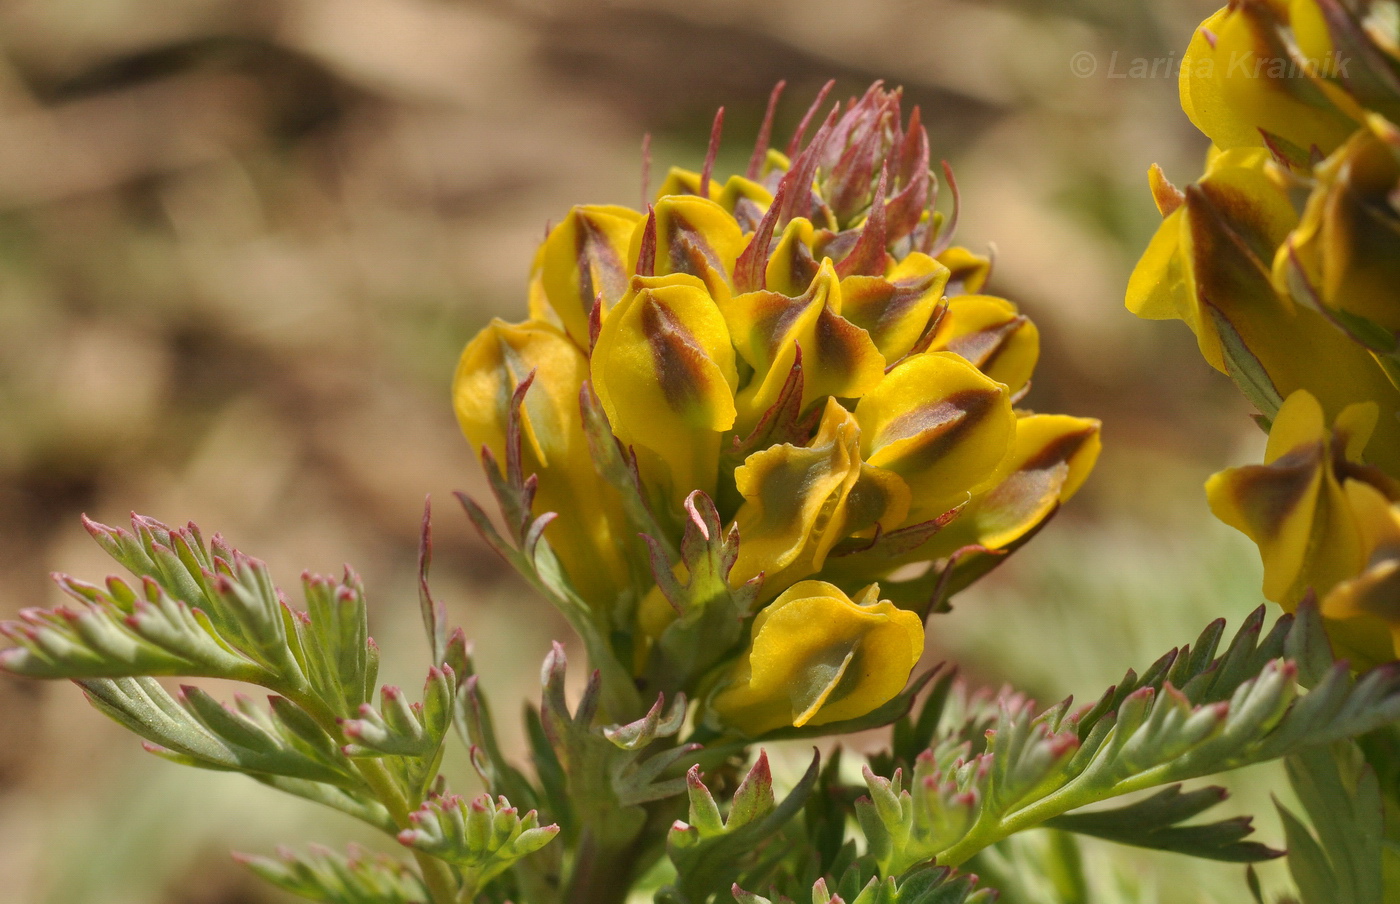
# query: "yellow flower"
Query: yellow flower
{"points": [[801, 501], [1051, 458], [1210, 265], [1363, 612], [791, 351], [1240, 85], [664, 370], [584, 259], [553, 445], [939, 423], [1295, 506], [993, 335], [818, 657], [838, 358], [1347, 246], [895, 309]]}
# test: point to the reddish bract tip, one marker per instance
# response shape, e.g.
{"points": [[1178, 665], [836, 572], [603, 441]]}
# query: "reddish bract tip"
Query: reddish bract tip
{"points": [[796, 141], [716, 129], [765, 134], [646, 255]]}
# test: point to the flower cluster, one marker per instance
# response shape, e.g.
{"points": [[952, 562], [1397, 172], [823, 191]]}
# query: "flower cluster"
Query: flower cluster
{"points": [[801, 350], [1284, 259]]}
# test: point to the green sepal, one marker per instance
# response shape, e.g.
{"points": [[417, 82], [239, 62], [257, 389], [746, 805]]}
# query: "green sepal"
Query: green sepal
{"points": [[710, 612]]}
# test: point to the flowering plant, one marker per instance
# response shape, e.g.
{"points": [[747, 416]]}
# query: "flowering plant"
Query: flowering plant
{"points": [[749, 442]]}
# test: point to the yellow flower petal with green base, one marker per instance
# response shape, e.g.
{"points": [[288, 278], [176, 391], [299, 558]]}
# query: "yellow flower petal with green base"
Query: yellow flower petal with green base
{"points": [[1293, 506], [1238, 77], [819, 657], [801, 501], [1051, 458], [993, 336], [1348, 242], [838, 358], [694, 235], [895, 309], [553, 445], [939, 423], [584, 257], [664, 371]]}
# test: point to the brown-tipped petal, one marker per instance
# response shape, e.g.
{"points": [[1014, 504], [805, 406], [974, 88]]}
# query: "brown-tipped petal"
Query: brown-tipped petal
{"points": [[991, 334], [840, 359], [896, 309], [939, 423], [583, 257], [695, 236], [664, 372]]}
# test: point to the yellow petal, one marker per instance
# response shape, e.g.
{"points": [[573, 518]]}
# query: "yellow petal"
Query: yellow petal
{"points": [[993, 336], [694, 235], [1363, 612], [1293, 507], [684, 182], [791, 265], [1245, 81], [553, 446], [817, 657], [968, 271], [895, 309], [838, 358], [940, 424], [585, 257], [1052, 457], [664, 371], [799, 502]]}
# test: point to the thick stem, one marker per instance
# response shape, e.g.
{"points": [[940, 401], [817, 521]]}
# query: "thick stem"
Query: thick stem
{"points": [[600, 875]]}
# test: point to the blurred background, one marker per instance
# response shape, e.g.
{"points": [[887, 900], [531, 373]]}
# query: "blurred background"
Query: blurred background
{"points": [[242, 243]]}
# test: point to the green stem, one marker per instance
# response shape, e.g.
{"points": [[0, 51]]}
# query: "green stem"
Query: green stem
{"points": [[437, 875], [442, 886], [1047, 808]]}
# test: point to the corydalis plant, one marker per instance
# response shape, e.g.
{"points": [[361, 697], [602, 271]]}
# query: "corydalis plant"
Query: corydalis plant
{"points": [[727, 425]]}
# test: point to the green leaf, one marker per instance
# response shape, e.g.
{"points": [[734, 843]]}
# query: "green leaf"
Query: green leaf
{"points": [[482, 838], [1339, 860], [1154, 823], [113, 632], [332, 643], [975, 786], [398, 728], [710, 852], [197, 730], [321, 875], [930, 885], [609, 772]]}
